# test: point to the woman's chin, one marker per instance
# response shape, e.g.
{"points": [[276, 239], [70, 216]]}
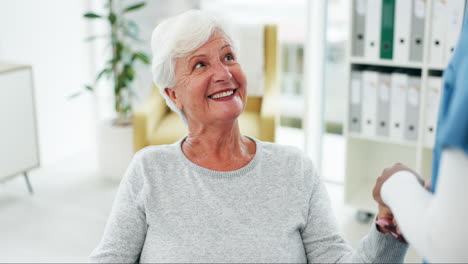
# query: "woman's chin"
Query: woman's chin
{"points": [[229, 116]]}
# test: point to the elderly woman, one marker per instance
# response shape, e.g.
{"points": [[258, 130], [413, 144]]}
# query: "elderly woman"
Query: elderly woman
{"points": [[217, 195]]}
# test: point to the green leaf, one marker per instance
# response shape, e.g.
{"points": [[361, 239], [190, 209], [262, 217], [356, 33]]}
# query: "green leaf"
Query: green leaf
{"points": [[129, 72], [112, 18], [127, 108], [133, 36], [112, 61], [74, 95], [90, 38], [105, 71], [92, 15], [119, 47], [89, 88], [134, 7], [142, 57]]}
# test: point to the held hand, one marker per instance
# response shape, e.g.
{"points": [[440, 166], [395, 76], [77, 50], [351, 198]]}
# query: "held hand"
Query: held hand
{"points": [[386, 174], [386, 223]]}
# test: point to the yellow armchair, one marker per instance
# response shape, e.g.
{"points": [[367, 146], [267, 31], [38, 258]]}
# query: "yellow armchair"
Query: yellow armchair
{"points": [[155, 124]]}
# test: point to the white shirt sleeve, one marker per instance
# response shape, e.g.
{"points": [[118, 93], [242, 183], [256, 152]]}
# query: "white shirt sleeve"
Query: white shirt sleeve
{"points": [[434, 224]]}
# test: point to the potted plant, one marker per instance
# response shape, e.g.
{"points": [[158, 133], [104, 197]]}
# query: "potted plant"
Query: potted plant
{"points": [[115, 144], [120, 67]]}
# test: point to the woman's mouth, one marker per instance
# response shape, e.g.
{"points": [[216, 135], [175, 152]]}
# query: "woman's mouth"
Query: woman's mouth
{"points": [[223, 95]]}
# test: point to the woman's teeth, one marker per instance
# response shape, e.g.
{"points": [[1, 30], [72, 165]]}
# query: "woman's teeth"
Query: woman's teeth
{"points": [[221, 95]]}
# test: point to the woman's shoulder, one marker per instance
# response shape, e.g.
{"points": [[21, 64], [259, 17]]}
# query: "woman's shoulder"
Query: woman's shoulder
{"points": [[281, 150], [154, 153]]}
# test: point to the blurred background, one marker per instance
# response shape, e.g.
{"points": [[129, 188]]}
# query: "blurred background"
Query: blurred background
{"points": [[61, 218]]}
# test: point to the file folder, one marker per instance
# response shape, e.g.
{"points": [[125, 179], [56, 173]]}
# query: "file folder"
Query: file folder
{"points": [[355, 106], [359, 25], [387, 31], [433, 95], [438, 29], [401, 44], [455, 12], [399, 83], [417, 30], [412, 108], [369, 102], [383, 105], [373, 22]]}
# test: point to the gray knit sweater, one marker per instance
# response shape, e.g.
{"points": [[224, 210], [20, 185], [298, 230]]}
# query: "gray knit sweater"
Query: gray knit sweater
{"points": [[275, 209]]}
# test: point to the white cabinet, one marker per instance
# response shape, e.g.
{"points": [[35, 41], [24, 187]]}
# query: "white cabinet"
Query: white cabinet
{"points": [[19, 151]]}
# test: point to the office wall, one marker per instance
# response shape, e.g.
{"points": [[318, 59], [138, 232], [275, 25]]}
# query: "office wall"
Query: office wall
{"points": [[48, 34]]}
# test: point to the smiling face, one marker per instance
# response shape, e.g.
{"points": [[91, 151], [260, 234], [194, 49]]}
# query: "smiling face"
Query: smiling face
{"points": [[210, 86]]}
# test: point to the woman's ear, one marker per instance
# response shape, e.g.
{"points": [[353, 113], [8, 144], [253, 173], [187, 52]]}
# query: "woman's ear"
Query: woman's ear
{"points": [[172, 94]]}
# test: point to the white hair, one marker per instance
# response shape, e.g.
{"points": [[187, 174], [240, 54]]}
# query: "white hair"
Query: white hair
{"points": [[177, 37]]}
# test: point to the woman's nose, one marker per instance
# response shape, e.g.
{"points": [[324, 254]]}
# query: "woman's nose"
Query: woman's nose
{"points": [[221, 72]]}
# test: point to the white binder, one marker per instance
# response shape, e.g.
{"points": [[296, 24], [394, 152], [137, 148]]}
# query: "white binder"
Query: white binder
{"points": [[438, 35], [418, 20], [433, 95], [402, 35], [383, 104], [412, 108], [370, 81], [373, 24], [399, 83], [359, 26], [355, 105], [455, 11]]}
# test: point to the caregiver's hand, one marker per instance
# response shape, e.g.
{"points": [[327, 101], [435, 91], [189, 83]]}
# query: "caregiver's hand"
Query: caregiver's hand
{"points": [[386, 174], [385, 222]]}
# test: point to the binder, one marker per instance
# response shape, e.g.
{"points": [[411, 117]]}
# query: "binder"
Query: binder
{"points": [[455, 11], [417, 30], [401, 42], [369, 102], [433, 95], [383, 105], [438, 36], [412, 108], [387, 31], [399, 83], [372, 33], [358, 30], [355, 106]]}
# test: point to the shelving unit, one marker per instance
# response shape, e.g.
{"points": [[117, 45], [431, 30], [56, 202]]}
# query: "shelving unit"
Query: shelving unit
{"points": [[366, 157]]}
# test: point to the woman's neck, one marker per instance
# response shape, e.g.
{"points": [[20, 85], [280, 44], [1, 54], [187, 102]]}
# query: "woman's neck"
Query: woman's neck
{"points": [[220, 148]]}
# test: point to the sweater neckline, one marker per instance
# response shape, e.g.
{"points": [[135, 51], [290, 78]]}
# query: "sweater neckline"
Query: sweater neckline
{"points": [[204, 171]]}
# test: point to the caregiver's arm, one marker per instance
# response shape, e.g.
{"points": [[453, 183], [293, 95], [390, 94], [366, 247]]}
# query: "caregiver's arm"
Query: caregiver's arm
{"points": [[434, 224]]}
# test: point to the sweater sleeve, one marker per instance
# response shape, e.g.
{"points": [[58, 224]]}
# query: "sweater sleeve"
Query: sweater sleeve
{"points": [[435, 225], [324, 244], [126, 227]]}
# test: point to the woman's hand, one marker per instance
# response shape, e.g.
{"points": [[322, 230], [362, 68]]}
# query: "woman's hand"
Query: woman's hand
{"points": [[386, 223], [386, 174]]}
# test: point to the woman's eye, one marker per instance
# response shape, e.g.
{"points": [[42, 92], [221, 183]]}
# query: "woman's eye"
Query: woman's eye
{"points": [[199, 64], [229, 57]]}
